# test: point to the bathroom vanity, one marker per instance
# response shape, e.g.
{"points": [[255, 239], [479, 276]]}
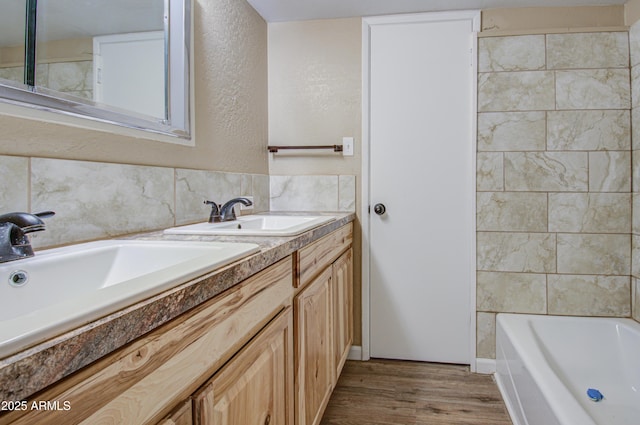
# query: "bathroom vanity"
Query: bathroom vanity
{"points": [[262, 340]]}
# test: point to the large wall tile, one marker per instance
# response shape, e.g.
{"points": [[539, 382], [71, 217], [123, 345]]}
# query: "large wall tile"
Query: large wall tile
{"points": [[98, 200], [635, 227], [516, 252], [593, 89], [635, 294], [635, 172], [516, 91], [635, 86], [512, 211], [634, 43], [14, 173], [588, 130], [260, 193], [304, 193], [71, 76], [594, 254], [583, 295], [588, 50], [520, 53], [511, 131], [610, 171], [635, 255], [590, 212], [512, 292], [256, 185], [490, 171], [486, 335], [546, 171], [635, 128], [193, 187], [347, 193]]}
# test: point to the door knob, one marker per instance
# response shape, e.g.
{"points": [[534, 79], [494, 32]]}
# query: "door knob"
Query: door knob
{"points": [[379, 209]]}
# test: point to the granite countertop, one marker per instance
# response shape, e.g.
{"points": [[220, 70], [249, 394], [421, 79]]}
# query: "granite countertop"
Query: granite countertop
{"points": [[33, 369]]}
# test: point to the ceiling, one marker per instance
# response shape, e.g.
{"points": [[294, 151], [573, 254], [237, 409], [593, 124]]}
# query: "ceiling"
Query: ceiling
{"points": [[297, 10]]}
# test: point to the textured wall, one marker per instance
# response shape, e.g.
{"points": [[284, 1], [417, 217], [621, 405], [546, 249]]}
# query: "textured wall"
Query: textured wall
{"points": [[315, 93], [554, 183], [315, 80], [230, 67]]}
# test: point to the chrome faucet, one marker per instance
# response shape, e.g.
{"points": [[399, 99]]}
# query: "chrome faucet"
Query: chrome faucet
{"points": [[14, 227], [226, 211]]}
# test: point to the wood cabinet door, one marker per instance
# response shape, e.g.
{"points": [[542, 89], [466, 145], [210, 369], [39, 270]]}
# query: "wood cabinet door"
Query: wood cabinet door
{"points": [[181, 416], [314, 349], [342, 309], [256, 386]]}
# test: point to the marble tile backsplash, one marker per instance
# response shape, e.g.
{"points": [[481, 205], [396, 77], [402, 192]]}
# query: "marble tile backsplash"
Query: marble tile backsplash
{"points": [[313, 193], [554, 192], [94, 200], [97, 200]]}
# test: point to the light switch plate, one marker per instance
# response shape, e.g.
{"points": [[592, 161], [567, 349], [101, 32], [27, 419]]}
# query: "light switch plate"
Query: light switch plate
{"points": [[347, 146]]}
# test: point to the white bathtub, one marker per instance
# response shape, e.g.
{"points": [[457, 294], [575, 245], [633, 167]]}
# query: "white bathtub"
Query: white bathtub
{"points": [[545, 364]]}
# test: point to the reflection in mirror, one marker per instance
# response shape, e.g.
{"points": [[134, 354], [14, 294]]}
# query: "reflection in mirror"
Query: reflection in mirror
{"points": [[111, 52], [107, 60], [12, 41]]}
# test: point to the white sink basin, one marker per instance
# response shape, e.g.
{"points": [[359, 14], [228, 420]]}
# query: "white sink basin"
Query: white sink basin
{"points": [[255, 225], [70, 286]]}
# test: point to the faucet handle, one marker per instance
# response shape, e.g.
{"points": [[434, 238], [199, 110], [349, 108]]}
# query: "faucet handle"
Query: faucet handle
{"points": [[214, 217]]}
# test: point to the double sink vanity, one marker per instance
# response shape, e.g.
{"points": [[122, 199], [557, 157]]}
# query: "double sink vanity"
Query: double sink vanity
{"points": [[241, 322]]}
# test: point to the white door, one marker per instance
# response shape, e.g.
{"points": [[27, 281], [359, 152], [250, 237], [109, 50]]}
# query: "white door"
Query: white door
{"points": [[129, 72], [422, 169]]}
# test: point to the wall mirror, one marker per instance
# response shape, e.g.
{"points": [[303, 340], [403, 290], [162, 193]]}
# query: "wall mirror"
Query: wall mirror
{"points": [[124, 62]]}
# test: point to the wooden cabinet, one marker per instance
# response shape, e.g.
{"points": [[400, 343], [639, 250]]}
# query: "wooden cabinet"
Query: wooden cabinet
{"points": [[181, 416], [266, 351], [342, 282], [323, 321], [146, 380], [256, 386], [314, 349]]}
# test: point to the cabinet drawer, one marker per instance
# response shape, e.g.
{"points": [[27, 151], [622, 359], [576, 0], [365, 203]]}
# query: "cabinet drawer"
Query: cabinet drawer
{"points": [[143, 381], [315, 257]]}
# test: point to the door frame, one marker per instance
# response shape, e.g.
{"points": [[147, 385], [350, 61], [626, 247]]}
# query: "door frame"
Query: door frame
{"points": [[474, 17]]}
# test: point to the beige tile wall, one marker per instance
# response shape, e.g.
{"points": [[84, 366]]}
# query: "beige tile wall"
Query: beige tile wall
{"points": [[554, 177], [634, 45]]}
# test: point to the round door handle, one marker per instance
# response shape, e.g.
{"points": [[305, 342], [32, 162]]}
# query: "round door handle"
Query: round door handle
{"points": [[379, 209]]}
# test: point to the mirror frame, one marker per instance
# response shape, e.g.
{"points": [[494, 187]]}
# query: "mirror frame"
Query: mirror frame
{"points": [[177, 87]]}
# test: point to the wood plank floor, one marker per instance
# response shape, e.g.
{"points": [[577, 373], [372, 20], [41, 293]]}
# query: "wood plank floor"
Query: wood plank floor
{"points": [[385, 392]]}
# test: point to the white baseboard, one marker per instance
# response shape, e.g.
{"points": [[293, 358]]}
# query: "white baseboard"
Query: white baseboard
{"points": [[485, 366], [355, 353]]}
